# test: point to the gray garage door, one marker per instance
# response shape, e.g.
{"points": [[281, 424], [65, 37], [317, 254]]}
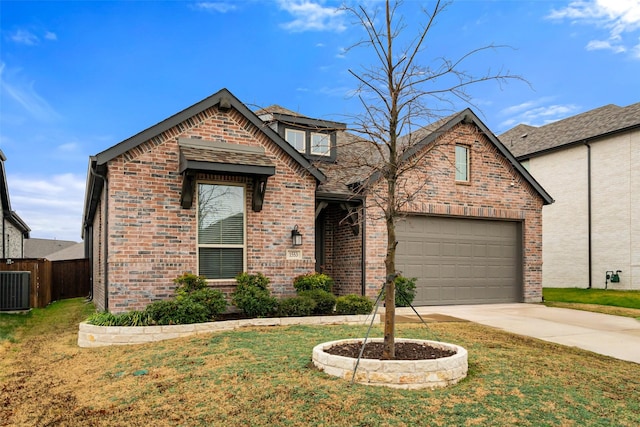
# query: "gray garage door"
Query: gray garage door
{"points": [[461, 261]]}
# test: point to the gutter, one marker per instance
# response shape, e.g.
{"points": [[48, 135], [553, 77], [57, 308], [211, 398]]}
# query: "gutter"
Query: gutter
{"points": [[363, 258], [589, 244]]}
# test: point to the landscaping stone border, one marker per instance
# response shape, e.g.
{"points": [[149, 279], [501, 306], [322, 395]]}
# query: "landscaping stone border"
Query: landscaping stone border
{"points": [[403, 374], [100, 336]]}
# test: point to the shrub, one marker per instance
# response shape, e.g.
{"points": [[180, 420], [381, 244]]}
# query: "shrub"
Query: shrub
{"points": [[257, 280], [296, 306], [252, 295], [175, 312], [405, 291], [325, 301], [188, 283], [132, 318], [311, 281], [353, 304], [212, 299], [102, 319]]}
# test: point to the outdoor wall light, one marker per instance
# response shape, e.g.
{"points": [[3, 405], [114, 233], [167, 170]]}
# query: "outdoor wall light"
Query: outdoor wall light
{"points": [[296, 237]]}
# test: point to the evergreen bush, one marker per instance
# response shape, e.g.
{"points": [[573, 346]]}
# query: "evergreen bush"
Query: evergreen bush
{"points": [[325, 301], [405, 291], [353, 304], [310, 281], [253, 297], [296, 306], [173, 312]]}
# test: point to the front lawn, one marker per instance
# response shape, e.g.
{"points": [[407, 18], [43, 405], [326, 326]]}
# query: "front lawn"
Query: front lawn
{"points": [[263, 376], [609, 301]]}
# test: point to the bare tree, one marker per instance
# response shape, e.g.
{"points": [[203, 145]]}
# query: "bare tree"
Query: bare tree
{"points": [[399, 93]]}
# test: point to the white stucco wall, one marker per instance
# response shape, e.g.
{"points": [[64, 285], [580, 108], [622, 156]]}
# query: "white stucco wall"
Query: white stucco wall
{"points": [[565, 254], [615, 181]]}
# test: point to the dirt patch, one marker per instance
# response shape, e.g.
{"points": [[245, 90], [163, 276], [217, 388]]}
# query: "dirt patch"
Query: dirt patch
{"points": [[428, 318], [404, 351]]}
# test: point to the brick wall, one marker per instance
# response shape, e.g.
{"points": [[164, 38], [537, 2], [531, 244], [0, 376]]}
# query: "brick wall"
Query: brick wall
{"points": [[343, 252], [495, 191], [152, 239]]}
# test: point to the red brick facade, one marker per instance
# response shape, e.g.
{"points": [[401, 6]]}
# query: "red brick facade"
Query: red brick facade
{"points": [[152, 239], [148, 238], [495, 191]]}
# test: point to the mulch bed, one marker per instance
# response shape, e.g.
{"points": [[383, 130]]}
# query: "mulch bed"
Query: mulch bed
{"points": [[404, 351]]}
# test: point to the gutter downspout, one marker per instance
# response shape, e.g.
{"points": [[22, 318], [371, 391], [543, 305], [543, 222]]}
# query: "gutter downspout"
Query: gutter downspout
{"points": [[589, 209], [363, 230], [106, 238]]}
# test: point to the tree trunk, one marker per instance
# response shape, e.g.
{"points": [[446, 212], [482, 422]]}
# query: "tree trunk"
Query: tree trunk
{"points": [[389, 350]]}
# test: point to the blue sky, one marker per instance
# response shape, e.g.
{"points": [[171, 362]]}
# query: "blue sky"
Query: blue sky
{"points": [[78, 77]]}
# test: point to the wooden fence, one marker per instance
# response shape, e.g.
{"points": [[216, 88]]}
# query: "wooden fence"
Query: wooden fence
{"points": [[52, 280]]}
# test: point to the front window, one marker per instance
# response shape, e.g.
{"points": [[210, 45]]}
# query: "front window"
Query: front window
{"points": [[296, 139], [320, 144], [462, 163], [221, 236]]}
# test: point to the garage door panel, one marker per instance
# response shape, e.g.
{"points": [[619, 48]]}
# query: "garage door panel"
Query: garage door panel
{"points": [[461, 261]]}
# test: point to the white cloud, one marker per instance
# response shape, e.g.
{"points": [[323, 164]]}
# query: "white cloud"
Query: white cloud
{"points": [[24, 37], [24, 94], [27, 37], [220, 7], [536, 112], [604, 45], [51, 207], [617, 17], [312, 16], [68, 147]]}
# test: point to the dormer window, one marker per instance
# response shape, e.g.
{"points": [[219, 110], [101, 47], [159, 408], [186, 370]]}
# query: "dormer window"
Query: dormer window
{"points": [[296, 138], [320, 144]]}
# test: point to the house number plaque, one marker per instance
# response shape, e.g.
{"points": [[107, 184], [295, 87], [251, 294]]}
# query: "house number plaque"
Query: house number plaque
{"points": [[294, 254]]}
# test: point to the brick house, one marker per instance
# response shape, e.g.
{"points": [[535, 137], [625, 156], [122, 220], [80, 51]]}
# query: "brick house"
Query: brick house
{"points": [[14, 230], [218, 189], [589, 163]]}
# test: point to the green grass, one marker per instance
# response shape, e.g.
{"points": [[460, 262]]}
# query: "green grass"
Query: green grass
{"points": [[262, 376], [627, 299], [43, 320]]}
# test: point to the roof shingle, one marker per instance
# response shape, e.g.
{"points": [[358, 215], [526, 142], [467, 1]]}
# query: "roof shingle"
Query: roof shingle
{"points": [[525, 141]]}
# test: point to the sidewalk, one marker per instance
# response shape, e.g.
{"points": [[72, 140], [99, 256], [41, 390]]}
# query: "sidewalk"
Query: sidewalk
{"points": [[613, 336]]}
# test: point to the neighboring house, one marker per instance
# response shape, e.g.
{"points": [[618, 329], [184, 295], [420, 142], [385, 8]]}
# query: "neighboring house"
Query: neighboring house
{"points": [[589, 162], [73, 252], [42, 248], [14, 229], [218, 189]]}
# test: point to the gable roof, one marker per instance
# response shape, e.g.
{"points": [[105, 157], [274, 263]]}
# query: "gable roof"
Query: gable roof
{"points": [[363, 151], [224, 99], [527, 141], [276, 113], [7, 213]]}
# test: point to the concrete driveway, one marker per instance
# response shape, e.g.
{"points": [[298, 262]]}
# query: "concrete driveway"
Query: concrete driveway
{"points": [[613, 336]]}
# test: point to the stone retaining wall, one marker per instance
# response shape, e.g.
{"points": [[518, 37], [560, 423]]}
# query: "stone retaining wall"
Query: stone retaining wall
{"points": [[99, 336], [403, 374]]}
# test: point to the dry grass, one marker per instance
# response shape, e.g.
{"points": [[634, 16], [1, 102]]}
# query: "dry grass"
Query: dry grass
{"points": [[262, 376], [596, 308]]}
